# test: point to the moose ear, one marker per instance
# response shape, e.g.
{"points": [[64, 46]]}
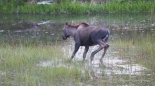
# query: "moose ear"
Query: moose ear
{"points": [[66, 24]]}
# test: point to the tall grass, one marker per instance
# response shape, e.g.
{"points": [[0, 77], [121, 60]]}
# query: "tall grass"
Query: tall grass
{"points": [[146, 51], [130, 7], [138, 48], [77, 7], [19, 66]]}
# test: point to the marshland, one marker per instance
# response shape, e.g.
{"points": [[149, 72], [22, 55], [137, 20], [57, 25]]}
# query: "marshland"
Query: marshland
{"points": [[32, 52]]}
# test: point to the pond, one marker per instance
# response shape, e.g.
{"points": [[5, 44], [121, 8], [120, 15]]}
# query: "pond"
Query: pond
{"points": [[129, 32], [48, 28]]}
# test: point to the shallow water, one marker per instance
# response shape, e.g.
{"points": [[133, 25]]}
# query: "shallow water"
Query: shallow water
{"points": [[113, 68], [47, 29], [111, 63]]}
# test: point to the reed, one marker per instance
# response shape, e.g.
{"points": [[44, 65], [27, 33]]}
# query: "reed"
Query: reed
{"points": [[146, 51], [139, 49], [130, 7], [21, 65], [78, 8]]}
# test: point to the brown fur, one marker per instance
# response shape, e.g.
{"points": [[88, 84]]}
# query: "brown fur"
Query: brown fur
{"points": [[77, 25]]}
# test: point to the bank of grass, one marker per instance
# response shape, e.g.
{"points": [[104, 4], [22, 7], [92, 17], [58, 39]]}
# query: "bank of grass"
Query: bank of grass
{"points": [[78, 8], [21, 65]]}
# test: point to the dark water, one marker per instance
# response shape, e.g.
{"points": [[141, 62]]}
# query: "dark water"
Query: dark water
{"points": [[48, 28]]}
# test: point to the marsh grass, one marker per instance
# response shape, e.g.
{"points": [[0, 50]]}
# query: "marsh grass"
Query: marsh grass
{"points": [[19, 66], [80, 8], [137, 48], [139, 6], [146, 51]]}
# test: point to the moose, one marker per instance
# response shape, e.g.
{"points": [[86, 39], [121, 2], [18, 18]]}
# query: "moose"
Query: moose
{"points": [[87, 35]]}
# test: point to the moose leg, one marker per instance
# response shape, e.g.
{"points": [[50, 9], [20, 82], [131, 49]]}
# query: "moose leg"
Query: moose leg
{"points": [[105, 50], [100, 48], [77, 45], [85, 52]]}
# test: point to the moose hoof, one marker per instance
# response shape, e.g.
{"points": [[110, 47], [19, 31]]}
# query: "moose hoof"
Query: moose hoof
{"points": [[83, 59], [101, 59], [91, 58]]}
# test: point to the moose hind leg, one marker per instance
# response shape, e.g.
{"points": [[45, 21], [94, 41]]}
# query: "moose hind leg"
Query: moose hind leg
{"points": [[105, 50], [100, 48]]}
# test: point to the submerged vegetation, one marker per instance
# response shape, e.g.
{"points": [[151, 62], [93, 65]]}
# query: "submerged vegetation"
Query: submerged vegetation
{"points": [[68, 6]]}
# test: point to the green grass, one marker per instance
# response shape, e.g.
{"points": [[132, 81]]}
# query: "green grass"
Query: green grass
{"points": [[130, 7], [22, 65], [138, 47], [78, 8], [19, 67]]}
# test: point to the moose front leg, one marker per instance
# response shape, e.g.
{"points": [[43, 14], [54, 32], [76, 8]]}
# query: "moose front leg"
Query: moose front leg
{"points": [[85, 52], [77, 45]]}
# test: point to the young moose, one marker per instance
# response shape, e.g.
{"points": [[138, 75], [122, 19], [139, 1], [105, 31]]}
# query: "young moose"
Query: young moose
{"points": [[87, 35]]}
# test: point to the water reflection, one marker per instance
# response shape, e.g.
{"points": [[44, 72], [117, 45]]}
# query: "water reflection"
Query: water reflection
{"points": [[44, 32]]}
